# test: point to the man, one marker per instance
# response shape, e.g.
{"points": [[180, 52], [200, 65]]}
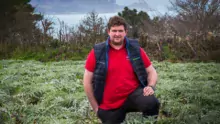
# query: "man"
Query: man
{"points": [[119, 77]]}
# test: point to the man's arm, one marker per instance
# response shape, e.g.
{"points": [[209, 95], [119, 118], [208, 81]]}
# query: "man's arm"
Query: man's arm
{"points": [[152, 76], [87, 82], [152, 80]]}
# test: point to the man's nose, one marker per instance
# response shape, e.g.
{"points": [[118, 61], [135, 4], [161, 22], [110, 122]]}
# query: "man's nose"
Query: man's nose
{"points": [[117, 33]]}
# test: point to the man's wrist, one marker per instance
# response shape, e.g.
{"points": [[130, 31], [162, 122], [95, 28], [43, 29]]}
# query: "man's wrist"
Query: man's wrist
{"points": [[153, 87]]}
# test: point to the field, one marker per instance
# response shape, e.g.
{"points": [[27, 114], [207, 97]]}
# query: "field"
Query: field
{"points": [[32, 92]]}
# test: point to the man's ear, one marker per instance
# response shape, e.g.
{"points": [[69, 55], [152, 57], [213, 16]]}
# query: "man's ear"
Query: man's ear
{"points": [[107, 30], [126, 31]]}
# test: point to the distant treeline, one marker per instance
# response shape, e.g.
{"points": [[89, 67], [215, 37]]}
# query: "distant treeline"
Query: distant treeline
{"points": [[192, 35]]}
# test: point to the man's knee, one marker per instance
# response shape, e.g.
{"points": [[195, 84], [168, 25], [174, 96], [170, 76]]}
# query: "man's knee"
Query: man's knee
{"points": [[111, 116], [154, 103], [150, 105]]}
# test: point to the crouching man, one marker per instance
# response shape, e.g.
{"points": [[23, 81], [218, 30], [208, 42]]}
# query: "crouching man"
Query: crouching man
{"points": [[119, 77]]}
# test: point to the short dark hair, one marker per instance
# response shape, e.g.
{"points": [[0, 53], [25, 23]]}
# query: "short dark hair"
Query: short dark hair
{"points": [[117, 21]]}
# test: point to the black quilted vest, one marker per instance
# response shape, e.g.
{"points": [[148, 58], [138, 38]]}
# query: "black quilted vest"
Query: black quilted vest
{"points": [[101, 55]]}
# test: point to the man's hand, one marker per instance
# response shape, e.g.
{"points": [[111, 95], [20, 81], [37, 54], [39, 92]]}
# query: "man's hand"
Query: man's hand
{"points": [[152, 80], [147, 91]]}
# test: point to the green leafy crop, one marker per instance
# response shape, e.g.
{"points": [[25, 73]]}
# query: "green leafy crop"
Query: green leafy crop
{"points": [[52, 93]]}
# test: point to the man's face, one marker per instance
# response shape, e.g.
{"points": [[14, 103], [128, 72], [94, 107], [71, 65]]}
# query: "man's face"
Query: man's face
{"points": [[117, 34]]}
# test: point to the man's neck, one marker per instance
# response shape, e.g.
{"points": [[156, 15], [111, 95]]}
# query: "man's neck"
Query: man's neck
{"points": [[117, 47]]}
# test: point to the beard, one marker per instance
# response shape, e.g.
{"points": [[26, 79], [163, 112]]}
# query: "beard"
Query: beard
{"points": [[113, 42]]}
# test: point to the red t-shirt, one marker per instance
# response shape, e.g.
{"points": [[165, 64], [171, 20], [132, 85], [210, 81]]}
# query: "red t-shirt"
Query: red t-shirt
{"points": [[121, 79]]}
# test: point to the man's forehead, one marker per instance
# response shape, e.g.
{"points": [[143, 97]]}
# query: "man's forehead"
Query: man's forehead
{"points": [[116, 27]]}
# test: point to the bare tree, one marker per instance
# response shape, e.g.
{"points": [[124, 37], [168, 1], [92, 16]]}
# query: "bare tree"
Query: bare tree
{"points": [[63, 32], [200, 16], [47, 26], [92, 28]]}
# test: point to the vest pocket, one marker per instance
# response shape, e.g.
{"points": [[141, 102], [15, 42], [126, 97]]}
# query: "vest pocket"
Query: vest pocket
{"points": [[136, 61], [100, 68], [139, 69], [99, 81]]}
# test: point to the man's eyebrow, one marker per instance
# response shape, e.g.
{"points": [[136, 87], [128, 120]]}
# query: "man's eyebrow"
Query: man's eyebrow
{"points": [[117, 30]]}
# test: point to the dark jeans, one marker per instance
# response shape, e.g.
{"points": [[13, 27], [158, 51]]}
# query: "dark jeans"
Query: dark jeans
{"points": [[136, 102]]}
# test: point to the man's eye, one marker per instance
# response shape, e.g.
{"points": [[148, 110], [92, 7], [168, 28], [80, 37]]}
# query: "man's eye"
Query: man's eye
{"points": [[114, 31], [120, 30]]}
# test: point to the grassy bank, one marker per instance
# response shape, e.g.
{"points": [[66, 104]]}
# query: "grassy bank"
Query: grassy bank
{"points": [[52, 92]]}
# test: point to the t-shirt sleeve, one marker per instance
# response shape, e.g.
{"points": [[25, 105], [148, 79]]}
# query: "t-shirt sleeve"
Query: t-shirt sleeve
{"points": [[145, 58], [90, 61]]}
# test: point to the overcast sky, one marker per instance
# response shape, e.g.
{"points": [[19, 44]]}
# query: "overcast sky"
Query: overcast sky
{"points": [[160, 5], [150, 2]]}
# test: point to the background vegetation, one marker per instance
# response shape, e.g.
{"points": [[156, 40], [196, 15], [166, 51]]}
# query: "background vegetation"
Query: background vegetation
{"points": [[45, 91], [192, 34], [52, 92]]}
